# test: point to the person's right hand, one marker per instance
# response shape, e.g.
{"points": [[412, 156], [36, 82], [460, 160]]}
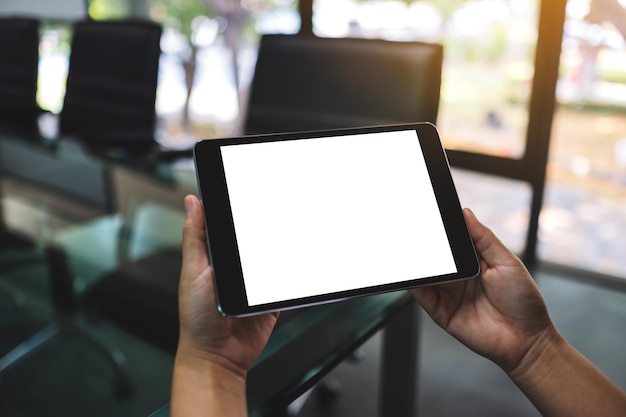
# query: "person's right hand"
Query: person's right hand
{"points": [[500, 314]]}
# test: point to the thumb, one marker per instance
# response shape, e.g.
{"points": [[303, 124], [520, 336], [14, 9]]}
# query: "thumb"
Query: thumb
{"points": [[490, 249], [194, 242]]}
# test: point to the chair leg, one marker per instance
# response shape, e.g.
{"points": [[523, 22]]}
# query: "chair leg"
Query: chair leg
{"points": [[28, 346], [122, 383], [123, 387], [65, 301]]}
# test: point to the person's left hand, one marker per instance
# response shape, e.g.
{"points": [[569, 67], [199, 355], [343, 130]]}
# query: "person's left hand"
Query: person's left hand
{"points": [[204, 332]]}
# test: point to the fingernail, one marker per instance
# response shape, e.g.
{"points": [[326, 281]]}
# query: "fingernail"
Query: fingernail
{"points": [[188, 204]]}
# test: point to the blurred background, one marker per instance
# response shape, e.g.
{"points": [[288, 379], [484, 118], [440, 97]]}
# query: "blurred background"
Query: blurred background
{"points": [[532, 111], [209, 51]]}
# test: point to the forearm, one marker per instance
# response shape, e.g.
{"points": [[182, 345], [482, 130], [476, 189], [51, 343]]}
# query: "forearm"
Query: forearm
{"points": [[204, 388], [561, 382]]}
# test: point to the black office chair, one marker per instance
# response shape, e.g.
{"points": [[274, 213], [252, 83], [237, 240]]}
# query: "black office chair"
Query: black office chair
{"points": [[19, 111], [141, 294], [19, 61], [141, 297], [307, 83], [111, 85]]}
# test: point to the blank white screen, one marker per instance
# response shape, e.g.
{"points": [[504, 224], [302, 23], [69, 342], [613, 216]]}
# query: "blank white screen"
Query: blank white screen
{"points": [[317, 216]]}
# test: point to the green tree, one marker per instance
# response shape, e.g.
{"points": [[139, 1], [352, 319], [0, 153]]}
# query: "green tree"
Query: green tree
{"points": [[180, 15], [108, 9]]}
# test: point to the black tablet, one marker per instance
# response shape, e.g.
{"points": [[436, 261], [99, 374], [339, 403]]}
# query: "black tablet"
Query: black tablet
{"points": [[305, 218]]}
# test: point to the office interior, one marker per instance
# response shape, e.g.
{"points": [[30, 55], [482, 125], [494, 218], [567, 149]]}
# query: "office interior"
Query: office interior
{"points": [[96, 129]]}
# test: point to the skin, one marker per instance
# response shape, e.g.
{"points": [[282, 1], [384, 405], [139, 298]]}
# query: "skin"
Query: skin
{"points": [[214, 352], [500, 315]]}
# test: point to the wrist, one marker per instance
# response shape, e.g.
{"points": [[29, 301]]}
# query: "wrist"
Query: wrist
{"points": [[540, 358], [188, 354], [209, 376], [560, 381], [206, 384]]}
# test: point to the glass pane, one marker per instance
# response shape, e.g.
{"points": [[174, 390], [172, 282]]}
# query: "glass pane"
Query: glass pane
{"points": [[488, 65], [500, 203], [584, 220], [54, 49], [212, 50]]}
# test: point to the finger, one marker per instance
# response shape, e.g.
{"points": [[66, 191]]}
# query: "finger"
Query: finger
{"points": [[490, 249], [426, 296], [194, 243]]}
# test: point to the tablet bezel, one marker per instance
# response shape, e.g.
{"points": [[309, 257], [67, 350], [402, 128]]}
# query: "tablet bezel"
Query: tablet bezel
{"points": [[220, 230]]}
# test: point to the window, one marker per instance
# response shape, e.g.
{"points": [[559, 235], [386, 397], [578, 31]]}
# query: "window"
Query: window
{"points": [[488, 67], [584, 220]]}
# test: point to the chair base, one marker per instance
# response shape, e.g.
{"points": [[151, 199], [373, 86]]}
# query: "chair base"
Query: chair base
{"points": [[122, 384]]}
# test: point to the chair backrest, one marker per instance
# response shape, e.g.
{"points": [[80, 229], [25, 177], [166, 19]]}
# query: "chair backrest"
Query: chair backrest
{"points": [[111, 85], [306, 83], [19, 60]]}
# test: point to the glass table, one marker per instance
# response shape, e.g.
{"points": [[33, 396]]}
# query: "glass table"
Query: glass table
{"points": [[135, 210]]}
